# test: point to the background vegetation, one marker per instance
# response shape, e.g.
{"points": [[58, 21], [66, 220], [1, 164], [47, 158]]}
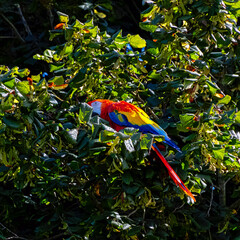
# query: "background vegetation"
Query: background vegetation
{"points": [[64, 173]]}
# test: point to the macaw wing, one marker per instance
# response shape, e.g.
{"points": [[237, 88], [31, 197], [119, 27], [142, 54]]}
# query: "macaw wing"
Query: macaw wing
{"points": [[128, 115]]}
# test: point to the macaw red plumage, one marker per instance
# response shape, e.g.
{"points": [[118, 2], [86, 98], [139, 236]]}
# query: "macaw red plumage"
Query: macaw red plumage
{"points": [[123, 114]]}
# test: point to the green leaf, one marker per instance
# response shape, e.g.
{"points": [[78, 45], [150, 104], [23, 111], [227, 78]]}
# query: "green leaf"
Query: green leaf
{"points": [[9, 83], [131, 189], [154, 75], [7, 103], [79, 78], [56, 66], [148, 12], [120, 41], [63, 18], [48, 56], [219, 153], [106, 136], [71, 135], [94, 31], [100, 14], [57, 80], [85, 113], [148, 27], [23, 72], [36, 78], [212, 87], [136, 41], [78, 24], [196, 50], [23, 87], [237, 117], [134, 231], [225, 100], [149, 173], [127, 178], [237, 238], [89, 24], [186, 121], [12, 122], [146, 141], [188, 82]]}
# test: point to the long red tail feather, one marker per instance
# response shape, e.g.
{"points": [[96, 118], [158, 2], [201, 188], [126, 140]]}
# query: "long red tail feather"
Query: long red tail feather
{"points": [[172, 173]]}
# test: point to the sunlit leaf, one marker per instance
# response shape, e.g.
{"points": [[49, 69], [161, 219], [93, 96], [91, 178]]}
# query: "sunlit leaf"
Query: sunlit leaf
{"points": [[219, 154], [147, 27], [99, 14], [58, 80], [225, 100], [85, 112], [237, 117], [63, 18], [136, 41], [23, 87]]}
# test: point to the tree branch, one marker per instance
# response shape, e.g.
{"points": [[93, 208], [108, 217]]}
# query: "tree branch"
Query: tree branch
{"points": [[222, 186], [15, 236], [51, 17], [210, 205], [235, 205], [13, 27], [27, 28]]}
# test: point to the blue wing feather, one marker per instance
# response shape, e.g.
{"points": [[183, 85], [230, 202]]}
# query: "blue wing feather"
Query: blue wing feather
{"points": [[122, 120]]}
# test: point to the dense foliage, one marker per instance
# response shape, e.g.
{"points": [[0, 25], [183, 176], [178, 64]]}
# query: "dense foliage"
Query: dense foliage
{"points": [[65, 174]]}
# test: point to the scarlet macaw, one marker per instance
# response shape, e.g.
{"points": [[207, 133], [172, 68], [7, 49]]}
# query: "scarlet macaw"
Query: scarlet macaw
{"points": [[123, 114]]}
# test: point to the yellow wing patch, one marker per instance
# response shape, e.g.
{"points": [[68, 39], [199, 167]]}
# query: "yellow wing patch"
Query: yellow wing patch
{"points": [[139, 118]]}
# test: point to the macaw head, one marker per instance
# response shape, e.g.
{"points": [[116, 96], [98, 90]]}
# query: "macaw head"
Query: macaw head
{"points": [[97, 106], [100, 105]]}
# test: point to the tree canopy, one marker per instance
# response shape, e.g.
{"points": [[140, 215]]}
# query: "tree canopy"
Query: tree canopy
{"points": [[65, 174]]}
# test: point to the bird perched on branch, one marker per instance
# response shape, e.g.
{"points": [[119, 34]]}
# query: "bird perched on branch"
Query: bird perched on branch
{"points": [[123, 114]]}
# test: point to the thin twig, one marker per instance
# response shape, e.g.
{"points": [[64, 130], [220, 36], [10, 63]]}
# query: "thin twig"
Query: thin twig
{"points": [[4, 227], [144, 215], [228, 180], [178, 208], [13, 27], [51, 17], [131, 213], [210, 235], [4, 37], [27, 28], [58, 236], [136, 6], [12, 238], [215, 79], [222, 186], [15, 236], [235, 205], [54, 150], [210, 205], [131, 14]]}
